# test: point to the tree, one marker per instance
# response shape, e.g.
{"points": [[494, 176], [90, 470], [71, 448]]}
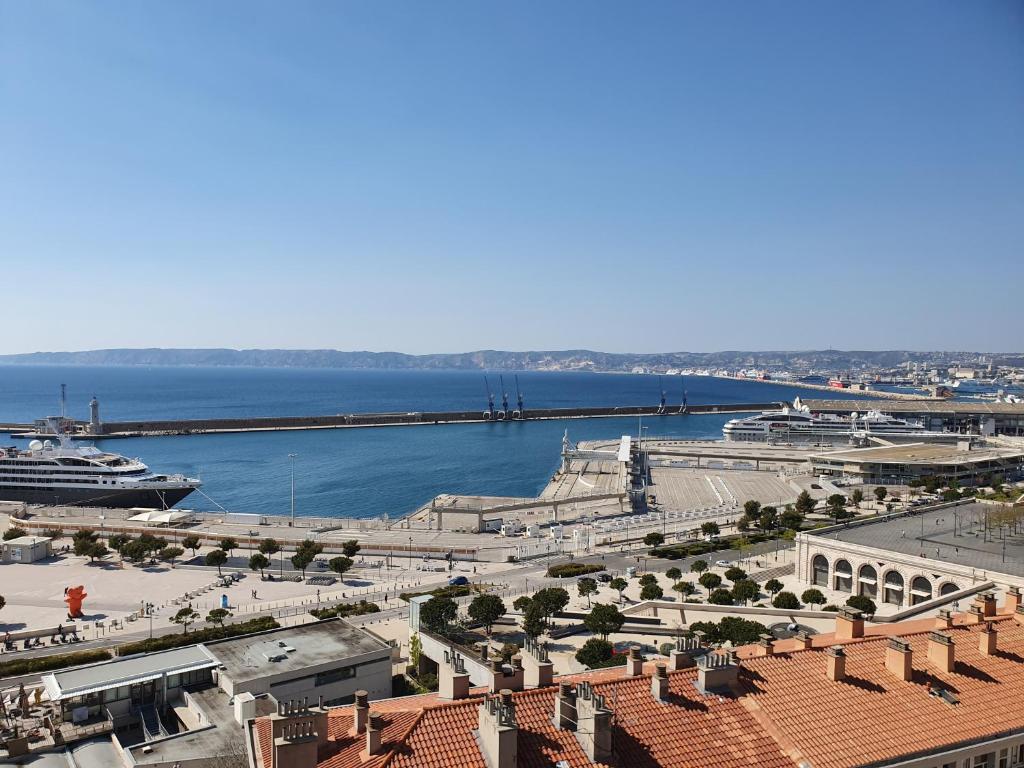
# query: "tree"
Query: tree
{"points": [[603, 620], [881, 492], [522, 603], [486, 609], [97, 551], [594, 653], [699, 566], [619, 584], [217, 616], [654, 539], [191, 542], [710, 528], [743, 524], [720, 597], [169, 554], [745, 590], [185, 616], [710, 580], [14, 532], [684, 588], [217, 557], [813, 597], [863, 604], [857, 497], [339, 565], [837, 506], [551, 600], [301, 561], [804, 503], [350, 548], [773, 586], [768, 518], [732, 629], [117, 542], [534, 620], [586, 587], [651, 592], [648, 578], [269, 547], [258, 562], [735, 573], [135, 550], [673, 573], [3, 602], [152, 543], [787, 601], [228, 544], [752, 508], [791, 519], [437, 613], [82, 541]]}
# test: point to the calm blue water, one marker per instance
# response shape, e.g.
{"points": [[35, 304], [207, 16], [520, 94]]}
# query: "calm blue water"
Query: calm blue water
{"points": [[359, 472]]}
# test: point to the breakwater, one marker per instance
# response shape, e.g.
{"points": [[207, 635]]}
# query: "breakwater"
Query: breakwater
{"points": [[151, 428]]}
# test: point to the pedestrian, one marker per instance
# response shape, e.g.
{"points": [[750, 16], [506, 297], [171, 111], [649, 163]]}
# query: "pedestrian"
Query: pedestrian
{"points": [[318, 595]]}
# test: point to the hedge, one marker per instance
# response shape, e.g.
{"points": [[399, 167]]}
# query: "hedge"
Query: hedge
{"points": [[453, 591], [57, 661], [166, 642], [568, 570], [346, 609], [679, 551]]}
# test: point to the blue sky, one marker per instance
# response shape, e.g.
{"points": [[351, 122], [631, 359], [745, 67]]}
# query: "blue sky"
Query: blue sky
{"points": [[446, 176]]}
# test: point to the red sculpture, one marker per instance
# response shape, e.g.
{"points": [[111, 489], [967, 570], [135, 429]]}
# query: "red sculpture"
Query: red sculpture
{"points": [[74, 597]]}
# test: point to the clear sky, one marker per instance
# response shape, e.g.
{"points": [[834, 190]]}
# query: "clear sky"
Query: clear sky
{"points": [[447, 176]]}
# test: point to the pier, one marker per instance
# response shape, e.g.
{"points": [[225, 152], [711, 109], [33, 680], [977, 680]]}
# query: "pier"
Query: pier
{"points": [[113, 429]]}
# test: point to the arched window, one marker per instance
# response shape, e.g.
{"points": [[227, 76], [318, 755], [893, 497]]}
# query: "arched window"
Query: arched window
{"points": [[819, 571], [948, 588], [893, 588], [920, 590], [843, 576], [867, 581]]}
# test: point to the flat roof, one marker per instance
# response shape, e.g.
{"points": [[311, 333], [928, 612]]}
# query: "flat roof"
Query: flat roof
{"points": [[920, 453], [27, 541], [954, 535], [916, 406], [132, 669], [295, 648]]}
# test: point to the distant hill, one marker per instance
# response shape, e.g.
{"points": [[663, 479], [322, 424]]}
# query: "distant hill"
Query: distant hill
{"points": [[573, 359]]}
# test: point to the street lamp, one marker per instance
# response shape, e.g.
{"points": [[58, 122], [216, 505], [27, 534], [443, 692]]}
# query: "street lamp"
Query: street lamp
{"points": [[292, 456], [410, 553]]}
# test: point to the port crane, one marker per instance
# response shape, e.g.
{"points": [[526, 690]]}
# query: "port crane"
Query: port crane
{"points": [[504, 399], [489, 413], [519, 414]]}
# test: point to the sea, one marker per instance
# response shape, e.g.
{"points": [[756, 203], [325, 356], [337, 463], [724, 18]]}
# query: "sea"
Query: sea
{"points": [[364, 472]]}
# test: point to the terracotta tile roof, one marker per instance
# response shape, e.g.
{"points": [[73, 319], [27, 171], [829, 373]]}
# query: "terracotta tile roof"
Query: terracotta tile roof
{"points": [[784, 711]]}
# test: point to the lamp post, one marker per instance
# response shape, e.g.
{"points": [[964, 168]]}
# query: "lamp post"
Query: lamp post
{"points": [[292, 457], [410, 554]]}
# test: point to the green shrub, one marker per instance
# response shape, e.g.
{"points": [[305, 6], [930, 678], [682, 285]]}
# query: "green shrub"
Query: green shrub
{"points": [[732, 628], [568, 570], [595, 652], [58, 661], [346, 609], [165, 642]]}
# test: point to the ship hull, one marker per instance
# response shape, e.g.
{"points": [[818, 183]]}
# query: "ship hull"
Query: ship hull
{"points": [[116, 498]]}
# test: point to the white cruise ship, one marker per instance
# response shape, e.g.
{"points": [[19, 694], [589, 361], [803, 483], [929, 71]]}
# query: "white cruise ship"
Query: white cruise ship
{"points": [[66, 474], [798, 424]]}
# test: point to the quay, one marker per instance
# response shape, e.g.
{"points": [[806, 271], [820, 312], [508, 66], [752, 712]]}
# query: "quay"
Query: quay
{"points": [[113, 429]]}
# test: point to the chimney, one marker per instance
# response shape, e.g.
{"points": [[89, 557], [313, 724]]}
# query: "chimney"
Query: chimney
{"points": [[899, 658], [803, 640], [593, 724], [849, 624], [497, 731], [374, 732], [765, 641], [987, 602], [717, 672], [976, 614], [511, 678], [296, 747], [453, 680], [941, 651], [565, 707], [835, 663], [987, 641], [360, 713], [296, 717], [634, 662], [1018, 615], [659, 682], [681, 657], [538, 671], [944, 619], [484, 649], [245, 707], [1012, 600]]}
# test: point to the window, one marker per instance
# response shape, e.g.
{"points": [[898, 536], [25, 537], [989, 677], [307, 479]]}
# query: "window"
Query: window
{"points": [[1004, 758], [819, 571], [843, 576], [334, 675]]}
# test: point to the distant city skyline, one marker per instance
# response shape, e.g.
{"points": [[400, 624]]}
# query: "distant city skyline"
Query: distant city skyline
{"points": [[437, 177]]}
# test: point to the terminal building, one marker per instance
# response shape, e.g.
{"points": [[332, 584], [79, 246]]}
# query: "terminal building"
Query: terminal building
{"points": [[963, 416], [967, 463]]}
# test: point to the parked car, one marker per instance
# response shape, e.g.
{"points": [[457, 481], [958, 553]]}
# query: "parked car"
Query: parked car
{"points": [[722, 563], [604, 576], [458, 581]]}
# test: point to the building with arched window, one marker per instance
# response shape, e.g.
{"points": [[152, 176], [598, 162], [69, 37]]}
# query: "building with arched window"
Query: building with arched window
{"points": [[912, 558]]}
